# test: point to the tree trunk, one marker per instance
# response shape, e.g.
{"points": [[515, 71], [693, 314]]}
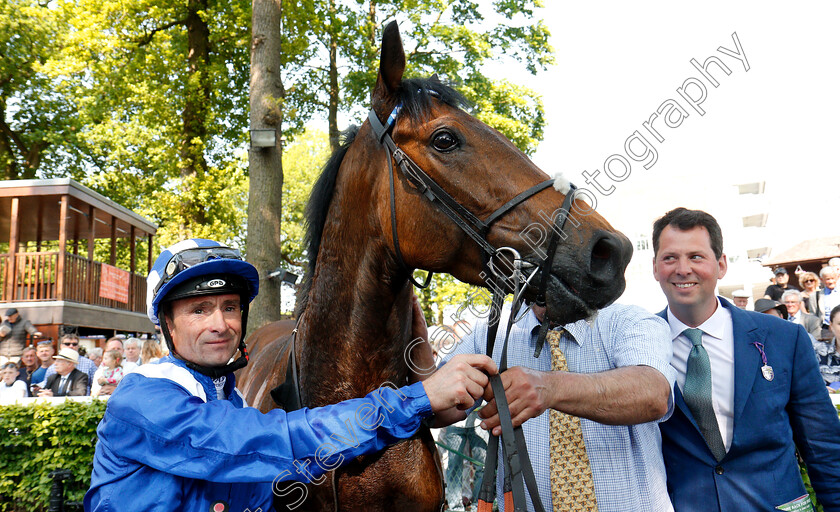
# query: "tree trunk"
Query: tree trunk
{"points": [[7, 155], [13, 146], [266, 168], [196, 107], [372, 17], [332, 114]]}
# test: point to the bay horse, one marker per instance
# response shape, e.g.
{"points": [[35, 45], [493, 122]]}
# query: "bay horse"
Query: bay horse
{"points": [[368, 224]]}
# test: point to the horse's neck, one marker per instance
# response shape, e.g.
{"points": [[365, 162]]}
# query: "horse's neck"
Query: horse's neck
{"points": [[355, 327]]}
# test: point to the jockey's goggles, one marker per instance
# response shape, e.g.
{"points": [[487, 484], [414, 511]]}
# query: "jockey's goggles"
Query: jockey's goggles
{"points": [[191, 257]]}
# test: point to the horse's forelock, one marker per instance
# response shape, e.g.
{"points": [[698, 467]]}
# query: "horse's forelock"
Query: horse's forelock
{"points": [[416, 96]]}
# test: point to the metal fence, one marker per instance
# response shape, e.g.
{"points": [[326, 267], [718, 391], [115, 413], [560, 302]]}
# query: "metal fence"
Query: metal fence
{"points": [[462, 448]]}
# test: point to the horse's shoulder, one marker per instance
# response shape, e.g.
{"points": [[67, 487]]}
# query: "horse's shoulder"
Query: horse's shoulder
{"points": [[269, 354]]}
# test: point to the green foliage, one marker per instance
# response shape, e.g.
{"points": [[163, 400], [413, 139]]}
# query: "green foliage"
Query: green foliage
{"points": [[302, 163], [106, 91], [40, 438], [516, 111], [38, 124], [443, 293], [456, 40], [148, 126], [303, 160]]}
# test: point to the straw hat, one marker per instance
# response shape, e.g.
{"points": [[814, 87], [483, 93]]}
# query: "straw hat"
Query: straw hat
{"points": [[68, 354]]}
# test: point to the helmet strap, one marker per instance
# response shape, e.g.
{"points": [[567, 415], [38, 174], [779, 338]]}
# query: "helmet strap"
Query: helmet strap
{"points": [[214, 372]]}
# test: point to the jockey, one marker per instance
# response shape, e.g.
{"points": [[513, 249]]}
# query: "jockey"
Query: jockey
{"points": [[176, 435]]}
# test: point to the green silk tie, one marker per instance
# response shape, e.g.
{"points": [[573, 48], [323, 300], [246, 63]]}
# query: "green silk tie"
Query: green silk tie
{"points": [[697, 392]]}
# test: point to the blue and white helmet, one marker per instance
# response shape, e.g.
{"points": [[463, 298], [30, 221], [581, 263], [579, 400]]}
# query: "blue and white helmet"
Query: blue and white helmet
{"points": [[189, 261]]}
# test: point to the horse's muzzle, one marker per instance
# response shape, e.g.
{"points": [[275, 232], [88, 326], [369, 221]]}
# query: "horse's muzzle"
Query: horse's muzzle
{"points": [[609, 255]]}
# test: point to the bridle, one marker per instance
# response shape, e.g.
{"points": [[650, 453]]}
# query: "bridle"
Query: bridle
{"points": [[471, 225], [518, 470]]}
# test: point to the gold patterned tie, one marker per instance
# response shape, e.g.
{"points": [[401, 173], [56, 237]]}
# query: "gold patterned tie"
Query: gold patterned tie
{"points": [[572, 487]]}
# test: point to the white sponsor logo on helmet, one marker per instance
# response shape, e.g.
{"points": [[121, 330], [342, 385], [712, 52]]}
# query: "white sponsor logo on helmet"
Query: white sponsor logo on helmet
{"points": [[216, 283]]}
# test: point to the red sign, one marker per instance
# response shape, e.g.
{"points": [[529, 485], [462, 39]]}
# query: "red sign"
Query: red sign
{"points": [[114, 284]]}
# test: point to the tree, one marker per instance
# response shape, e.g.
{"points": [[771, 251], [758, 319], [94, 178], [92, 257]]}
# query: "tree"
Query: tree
{"points": [[279, 45], [38, 128], [265, 164], [159, 89], [452, 39], [302, 164], [445, 38], [144, 101]]}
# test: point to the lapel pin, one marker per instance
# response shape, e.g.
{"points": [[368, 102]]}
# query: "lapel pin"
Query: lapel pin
{"points": [[766, 369]]}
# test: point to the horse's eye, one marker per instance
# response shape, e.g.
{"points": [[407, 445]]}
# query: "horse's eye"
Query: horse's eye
{"points": [[444, 141]]}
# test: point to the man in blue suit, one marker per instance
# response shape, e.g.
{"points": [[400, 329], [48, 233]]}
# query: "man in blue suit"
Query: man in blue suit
{"points": [[748, 392]]}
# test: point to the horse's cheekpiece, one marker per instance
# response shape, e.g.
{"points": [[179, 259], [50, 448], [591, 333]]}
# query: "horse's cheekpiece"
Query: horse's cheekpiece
{"points": [[219, 506]]}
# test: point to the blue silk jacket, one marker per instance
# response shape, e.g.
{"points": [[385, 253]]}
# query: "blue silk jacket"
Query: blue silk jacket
{"points": [[166, 442]]}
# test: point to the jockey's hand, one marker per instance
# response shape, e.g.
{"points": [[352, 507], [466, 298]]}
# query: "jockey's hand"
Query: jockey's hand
{"points": [[459, 383], [529, 393]]}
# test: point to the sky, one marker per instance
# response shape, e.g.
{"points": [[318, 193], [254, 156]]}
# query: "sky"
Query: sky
{"points": [[617, 62]]}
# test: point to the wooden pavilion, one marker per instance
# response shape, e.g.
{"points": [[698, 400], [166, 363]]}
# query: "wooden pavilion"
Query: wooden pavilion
{"points": [[809, 256], [45, 224]]}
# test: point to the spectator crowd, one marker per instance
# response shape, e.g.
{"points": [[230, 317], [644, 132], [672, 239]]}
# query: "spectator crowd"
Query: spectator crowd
{"points": [[44, 370], [815, 305]]}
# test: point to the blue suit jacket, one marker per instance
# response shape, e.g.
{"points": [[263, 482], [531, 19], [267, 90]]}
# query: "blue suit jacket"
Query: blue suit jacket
{"points": [[771, 420]]}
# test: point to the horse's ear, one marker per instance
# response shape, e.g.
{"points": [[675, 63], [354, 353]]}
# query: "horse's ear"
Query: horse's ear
{"points": [[391, 67], [434, 78]]}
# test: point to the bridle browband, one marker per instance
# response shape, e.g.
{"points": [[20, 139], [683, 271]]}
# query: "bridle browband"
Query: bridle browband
{"points": [[474, 227], [519, 472]]}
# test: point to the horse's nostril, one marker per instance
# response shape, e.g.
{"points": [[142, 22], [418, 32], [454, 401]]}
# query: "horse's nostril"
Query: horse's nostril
{"points": [[606, 257], [601, 250]]}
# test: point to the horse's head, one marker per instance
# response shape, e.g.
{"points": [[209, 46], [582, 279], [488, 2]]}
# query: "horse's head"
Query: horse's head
{"points": [[482, 170]]}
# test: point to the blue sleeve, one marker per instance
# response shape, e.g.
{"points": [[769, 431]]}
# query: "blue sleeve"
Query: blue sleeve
{"points": [[158, 423], [816, 427]]}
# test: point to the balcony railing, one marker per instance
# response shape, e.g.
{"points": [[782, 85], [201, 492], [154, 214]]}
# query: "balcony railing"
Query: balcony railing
{"points": [[36, 279]]}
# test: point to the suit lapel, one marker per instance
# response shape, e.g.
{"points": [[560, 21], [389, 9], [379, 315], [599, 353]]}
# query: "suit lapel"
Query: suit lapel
{"points": [[679, 401], [746, 364], [747, 358], [68, 384]]}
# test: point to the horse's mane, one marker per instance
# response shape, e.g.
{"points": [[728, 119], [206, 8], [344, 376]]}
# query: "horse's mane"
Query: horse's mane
{"points": [[416, 95]]}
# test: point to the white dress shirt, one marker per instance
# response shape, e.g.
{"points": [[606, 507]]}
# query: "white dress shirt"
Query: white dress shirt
{"points": [[719, 342]]}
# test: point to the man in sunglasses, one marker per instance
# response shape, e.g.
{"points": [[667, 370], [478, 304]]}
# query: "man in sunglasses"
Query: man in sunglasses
{"points": [[175, 435], [84, 364]]}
